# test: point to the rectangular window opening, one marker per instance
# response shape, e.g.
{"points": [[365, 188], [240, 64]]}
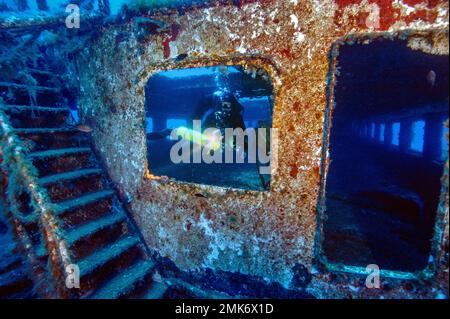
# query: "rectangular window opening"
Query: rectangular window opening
{"points": [[381, 202], [197, 106], [382, 132], [418, 135], [396, 134], [148, 125], [372, 130]]}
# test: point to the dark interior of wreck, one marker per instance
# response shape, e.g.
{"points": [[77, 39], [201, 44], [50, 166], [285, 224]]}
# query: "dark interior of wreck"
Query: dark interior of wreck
{"points": [[383, 194]]}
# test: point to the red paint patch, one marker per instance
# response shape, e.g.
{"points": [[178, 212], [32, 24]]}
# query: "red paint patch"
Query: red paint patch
{"points": [[316, 170], [296, 107], [388, 14], [286, 52], [174, 32], [346, 3], [433, 3], [412, 3], [423, 15], [294, 171]]}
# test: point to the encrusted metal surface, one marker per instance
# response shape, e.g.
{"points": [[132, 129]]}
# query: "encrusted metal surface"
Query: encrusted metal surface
{"points": [[258, 233]]}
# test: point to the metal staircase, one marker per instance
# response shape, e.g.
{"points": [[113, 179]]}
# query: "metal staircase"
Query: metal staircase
{"points": [[62, 206], [15, 281]]}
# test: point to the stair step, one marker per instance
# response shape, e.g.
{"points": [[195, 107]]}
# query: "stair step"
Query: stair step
{"points": [[59, 152], [125, 282], [42, 94], [14, 283], [68, 176], [36, 117], [61, 160], [39, 71], [44, 130], [43, 77], [82, 201], [7, 243], [27, 87], [12, 107], [9, 259], [74, 184], [102, 256], [12, 276], [9, 262], [92, 227], [156, 291], [44, 139]]}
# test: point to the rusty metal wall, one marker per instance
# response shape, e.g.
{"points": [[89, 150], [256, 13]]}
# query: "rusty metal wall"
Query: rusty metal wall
{"points": [[263, 234]]}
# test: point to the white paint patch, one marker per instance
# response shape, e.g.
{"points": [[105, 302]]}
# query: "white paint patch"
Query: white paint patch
{"points": [[217, 242], [273, 14], [442, 19], [241, 48], [208, 15], [299, 37], [300, 242], [196, 38], [373, 20], [173, 50], [294, 20], [199, 48], [404, 7], [162, 233], [255, 34]]}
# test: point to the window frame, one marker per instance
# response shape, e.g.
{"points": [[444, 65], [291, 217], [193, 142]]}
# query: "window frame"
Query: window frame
{"points": [[436, 246], [247, 61]]}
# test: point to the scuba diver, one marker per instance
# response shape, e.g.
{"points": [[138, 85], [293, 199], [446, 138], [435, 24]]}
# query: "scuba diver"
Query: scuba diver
{"points": [[219, 110]]}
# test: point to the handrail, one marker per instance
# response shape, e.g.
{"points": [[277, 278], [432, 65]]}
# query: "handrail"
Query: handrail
{"points": [[50, 227]]}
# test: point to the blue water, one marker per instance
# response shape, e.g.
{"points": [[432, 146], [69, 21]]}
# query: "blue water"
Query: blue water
{"points": [[382, 132], [115, 6], [444, 142], [396, 134], [418, 134]]}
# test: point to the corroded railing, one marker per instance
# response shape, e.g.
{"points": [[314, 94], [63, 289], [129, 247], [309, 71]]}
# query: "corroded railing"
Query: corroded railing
{"points": [[23, 175], [44, 16]]}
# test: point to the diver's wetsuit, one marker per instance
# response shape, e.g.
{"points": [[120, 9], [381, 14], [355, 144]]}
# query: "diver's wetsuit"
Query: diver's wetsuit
{"points": [[154, 136], [220, 110]]}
